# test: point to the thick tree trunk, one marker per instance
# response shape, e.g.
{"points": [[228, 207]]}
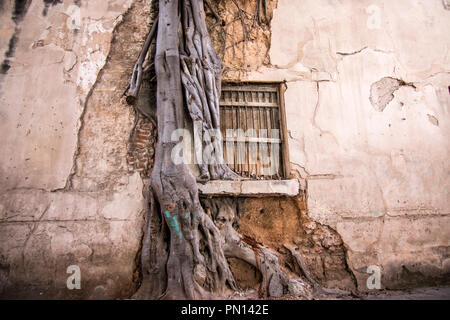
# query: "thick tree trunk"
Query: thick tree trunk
{"points": [[173, 185], [183, 252], [201, 77]]}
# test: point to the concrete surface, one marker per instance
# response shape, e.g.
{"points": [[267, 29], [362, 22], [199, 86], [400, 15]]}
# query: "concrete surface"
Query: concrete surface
{"points": [[251, 188]]}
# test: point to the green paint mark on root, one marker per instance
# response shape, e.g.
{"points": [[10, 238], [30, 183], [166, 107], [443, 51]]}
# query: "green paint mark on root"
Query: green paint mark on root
{"points": [[174, 223], [176, 227]]}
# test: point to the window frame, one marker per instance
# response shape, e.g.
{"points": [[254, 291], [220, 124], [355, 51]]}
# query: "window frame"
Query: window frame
{"points": [[284, 145]]}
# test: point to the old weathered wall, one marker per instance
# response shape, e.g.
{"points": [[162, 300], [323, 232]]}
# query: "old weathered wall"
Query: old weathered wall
{"points": [[66, 196], [368, 105]]}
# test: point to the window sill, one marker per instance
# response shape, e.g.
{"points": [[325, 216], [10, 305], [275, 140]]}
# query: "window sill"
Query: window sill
{"points": [[250, 188]]}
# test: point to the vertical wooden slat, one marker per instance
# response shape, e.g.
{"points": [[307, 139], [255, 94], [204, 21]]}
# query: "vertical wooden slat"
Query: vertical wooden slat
{"points": [[230, 126], [224, 132], [269, 134], [247, 126], [246, 156], [238, 124], [275, 125], [284, 136], [251, 146], [222, 126], [260, 125], [233, 116], [256, 128]]}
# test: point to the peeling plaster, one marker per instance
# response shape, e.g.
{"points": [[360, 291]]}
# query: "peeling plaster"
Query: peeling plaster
{"points": [[382, 91]]}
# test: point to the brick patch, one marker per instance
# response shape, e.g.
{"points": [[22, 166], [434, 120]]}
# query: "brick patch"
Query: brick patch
{"points": [[141, 149]]}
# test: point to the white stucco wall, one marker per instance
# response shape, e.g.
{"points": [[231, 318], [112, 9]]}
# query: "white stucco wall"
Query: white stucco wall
{"points": [[381, 179]]}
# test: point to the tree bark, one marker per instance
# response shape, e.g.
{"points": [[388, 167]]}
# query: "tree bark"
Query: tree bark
{"points": [[174, 192], [136, 78], [183, 251]]}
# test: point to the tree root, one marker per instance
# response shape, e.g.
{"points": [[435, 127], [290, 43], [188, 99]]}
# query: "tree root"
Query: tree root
{"points": [[274, 279], [136, 77], [318, 289]]}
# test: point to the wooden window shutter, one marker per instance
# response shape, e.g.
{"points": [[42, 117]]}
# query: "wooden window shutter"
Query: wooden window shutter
{"points": [[253, 130]]}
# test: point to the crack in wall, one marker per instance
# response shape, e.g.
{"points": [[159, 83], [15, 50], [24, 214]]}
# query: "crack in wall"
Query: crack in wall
{"points": [[363, 49], [316, 109], [30, 234], [74, 170], [351, 53]]}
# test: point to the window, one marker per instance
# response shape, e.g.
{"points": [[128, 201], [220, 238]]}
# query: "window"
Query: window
{"points": [[252, 119]]}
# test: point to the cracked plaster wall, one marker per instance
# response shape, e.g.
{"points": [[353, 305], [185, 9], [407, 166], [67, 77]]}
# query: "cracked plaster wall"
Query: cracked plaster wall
{"points": [[378, 176], [66, 197]]}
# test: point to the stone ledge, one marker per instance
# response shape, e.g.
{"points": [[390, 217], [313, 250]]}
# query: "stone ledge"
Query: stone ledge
{"points": [[250, 188]]}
